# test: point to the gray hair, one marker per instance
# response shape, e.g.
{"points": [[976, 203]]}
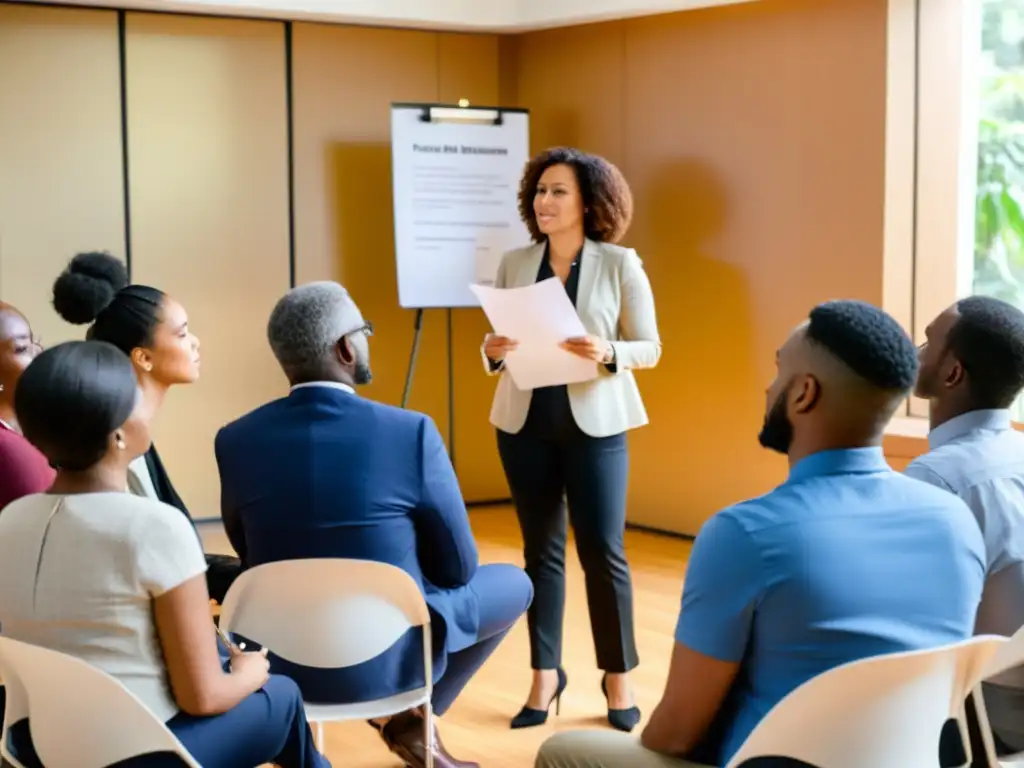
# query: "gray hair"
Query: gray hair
{"points": [[306, 324]]}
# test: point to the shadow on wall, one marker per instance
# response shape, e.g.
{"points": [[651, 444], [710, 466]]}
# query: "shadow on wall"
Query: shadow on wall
{"points": [[705, 400], [364, 242]]}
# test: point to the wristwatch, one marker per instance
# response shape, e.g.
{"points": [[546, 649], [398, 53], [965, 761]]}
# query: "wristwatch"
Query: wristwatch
{"points": [[609, 356]]}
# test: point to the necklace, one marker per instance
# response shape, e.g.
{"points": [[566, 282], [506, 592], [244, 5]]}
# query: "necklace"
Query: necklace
{"points": [[5, 425]]}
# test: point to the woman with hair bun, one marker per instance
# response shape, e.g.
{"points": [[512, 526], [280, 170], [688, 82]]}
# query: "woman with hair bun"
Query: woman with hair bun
{"points": [[152, 329]]}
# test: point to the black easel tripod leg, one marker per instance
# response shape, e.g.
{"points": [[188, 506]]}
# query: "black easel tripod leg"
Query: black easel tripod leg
{"points": [[451, 394], [417, 328]]}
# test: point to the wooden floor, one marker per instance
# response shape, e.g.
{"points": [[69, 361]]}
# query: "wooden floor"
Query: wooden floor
{"points": [[476, 727]]}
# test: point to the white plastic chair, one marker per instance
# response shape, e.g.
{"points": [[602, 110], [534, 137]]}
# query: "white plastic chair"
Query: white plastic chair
{"points": [[333, 613], [1009, 656], [80, 717], [884, 711]]}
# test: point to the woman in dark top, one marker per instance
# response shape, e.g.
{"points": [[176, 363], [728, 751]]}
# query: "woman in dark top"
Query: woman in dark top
{"points": [[568, 442], [152, 329], [23, 469]]}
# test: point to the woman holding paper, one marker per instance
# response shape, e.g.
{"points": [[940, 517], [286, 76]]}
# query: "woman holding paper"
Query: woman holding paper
{"points": [[569, 441]]}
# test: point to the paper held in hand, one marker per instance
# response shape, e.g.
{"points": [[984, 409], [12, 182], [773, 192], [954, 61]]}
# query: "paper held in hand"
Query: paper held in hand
{"points": [[540, 317]]}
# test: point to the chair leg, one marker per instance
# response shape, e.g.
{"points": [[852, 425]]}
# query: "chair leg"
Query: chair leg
{"points": [[428, 725], [319, 737]]}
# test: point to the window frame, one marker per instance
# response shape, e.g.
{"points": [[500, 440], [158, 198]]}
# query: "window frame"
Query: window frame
{"points": [[946, 51]]}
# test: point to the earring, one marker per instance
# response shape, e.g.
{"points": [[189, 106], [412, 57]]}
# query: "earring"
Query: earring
{"points": [[1, 387], [147, 367], [119, 442]]}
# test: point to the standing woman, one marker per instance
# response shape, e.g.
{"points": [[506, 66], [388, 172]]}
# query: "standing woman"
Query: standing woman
{"points": [[570, 441], [152, 329], [23, 469]]}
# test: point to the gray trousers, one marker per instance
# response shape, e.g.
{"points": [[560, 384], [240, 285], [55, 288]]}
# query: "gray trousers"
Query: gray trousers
{"points": [[602, 749]]}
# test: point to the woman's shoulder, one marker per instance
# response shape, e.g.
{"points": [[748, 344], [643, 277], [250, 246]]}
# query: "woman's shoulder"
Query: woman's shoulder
{"points": [[617, 253], [15, 446], [135, 513], [521, 252]]}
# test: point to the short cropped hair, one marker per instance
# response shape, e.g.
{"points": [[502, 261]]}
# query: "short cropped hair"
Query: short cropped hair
{"points": [[72, 397], [607, 199], [307, 323], [988, 340], [868, 341]]}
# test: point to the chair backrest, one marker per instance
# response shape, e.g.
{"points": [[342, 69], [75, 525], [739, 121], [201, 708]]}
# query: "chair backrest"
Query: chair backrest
{"points": [[327, 613], [79, 716], [1007, 665], [884, 711]]}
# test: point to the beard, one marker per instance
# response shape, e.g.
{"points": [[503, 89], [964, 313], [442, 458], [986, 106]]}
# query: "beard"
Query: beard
{"points": [[777, 430], [363, 374]]}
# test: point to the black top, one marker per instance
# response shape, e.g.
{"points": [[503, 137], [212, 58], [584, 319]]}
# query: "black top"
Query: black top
{"points": [[550, 413]]}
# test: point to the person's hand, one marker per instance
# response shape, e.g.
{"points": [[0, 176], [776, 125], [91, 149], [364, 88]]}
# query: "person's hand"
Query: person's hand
{"points": [[496, 347], [590, 348], [253, 666]]}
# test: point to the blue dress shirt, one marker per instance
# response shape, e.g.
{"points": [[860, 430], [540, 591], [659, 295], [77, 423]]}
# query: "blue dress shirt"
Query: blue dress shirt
{"points": [[846, 559]]}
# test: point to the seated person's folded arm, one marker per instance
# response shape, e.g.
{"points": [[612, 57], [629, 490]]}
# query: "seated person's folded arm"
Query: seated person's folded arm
{"points": [[722, 586], [444, 537], [172, 568]]}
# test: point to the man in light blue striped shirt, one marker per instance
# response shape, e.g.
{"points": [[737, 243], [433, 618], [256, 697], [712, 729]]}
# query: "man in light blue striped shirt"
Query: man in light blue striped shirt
{"points": [[971, 371]]}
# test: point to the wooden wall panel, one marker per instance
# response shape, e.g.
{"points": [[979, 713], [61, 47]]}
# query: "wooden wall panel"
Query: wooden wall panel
{"points": [[753, 138], [573, 81], [207, 129], [61, 180], [470, 69], [345, 79]]}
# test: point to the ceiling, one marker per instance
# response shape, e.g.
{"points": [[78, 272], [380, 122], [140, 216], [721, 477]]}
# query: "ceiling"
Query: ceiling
{"points": [[468, 15]]}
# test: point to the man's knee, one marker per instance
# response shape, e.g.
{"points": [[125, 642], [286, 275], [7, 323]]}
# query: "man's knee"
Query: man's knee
{"points": [[523, 586], [570, 749], [513, 581]]}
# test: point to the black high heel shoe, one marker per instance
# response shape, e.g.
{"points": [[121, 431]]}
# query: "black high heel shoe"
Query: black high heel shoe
{"points": [[620, 719], [528, 717]]}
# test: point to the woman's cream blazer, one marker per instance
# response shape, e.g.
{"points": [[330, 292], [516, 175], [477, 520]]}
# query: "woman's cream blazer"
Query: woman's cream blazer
{"points": [[615, 302]]}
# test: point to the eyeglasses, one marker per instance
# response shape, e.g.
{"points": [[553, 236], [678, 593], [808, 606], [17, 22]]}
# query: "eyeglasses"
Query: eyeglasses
{"points": [[366, 329]]}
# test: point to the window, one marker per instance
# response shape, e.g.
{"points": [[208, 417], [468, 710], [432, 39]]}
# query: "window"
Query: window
{"points": [[969, 194]]}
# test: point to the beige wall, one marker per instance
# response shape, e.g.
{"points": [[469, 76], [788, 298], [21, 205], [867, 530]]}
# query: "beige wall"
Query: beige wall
{"points": [[753, 136], [61, 184], [208, 171]]}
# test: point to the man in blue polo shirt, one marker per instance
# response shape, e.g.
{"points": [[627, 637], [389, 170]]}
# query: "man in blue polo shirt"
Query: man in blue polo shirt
{"points": [[846, 559]]}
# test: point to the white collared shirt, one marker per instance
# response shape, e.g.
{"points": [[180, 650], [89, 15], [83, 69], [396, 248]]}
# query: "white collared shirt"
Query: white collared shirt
{"points": [[328, 384]]}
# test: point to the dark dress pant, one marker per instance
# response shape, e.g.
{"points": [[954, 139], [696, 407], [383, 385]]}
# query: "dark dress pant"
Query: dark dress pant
{"points": [[545, 468]]}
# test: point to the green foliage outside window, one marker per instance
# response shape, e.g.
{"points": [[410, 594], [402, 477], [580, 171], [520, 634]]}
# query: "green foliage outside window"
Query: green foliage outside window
{"points": [[999, 202]]}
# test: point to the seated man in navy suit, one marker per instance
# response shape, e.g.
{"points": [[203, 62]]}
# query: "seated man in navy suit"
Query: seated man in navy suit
{"points": [[327, 473]]}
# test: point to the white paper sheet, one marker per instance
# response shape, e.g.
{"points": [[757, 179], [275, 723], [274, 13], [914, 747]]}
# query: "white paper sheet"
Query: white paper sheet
{"points": [[490, 248], [540, 317]]}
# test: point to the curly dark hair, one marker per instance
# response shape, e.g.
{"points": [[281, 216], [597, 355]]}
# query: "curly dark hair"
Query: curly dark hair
{"points": [[868, 340], [988, 340], [607, 200]]}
